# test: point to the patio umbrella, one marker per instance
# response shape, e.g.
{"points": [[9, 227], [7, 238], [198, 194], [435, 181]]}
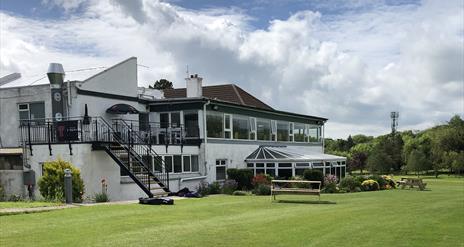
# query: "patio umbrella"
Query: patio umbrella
{"points": [[122, 109]]}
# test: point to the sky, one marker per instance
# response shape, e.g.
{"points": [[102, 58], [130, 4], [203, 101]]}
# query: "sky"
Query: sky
{"points": [[351, 61]]}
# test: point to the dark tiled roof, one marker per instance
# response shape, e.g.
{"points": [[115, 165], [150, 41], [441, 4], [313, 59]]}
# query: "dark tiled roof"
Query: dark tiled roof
{"points": [[229, 92]]}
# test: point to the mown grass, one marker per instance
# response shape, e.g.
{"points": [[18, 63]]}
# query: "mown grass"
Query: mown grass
{"points": [[385, 218], [28, 204]]}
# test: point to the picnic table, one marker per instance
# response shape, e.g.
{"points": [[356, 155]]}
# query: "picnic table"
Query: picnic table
{"points": [[411, 182], [278, 188]]}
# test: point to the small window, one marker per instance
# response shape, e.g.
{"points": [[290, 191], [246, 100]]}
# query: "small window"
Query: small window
{"points": [[221, 169], [252, 128], [187, 167], [177, 164], [273, 130], [195, 166], [168, 163], [23, 107]]}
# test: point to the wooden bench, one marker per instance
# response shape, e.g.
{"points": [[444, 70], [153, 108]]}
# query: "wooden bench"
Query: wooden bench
{"points": [[278, 190], [411, 182]]}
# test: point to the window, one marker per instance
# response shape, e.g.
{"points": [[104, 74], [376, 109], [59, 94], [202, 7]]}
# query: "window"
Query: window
{"points": [[187, 167], [221, 169], [177, 163], [263, 129], [290, 132], [274, 130], [191, 124], [168, 163], [11, 162], [270, 169], [259, 168], [300, 168], [312, 133], [143, 121], [241, 127], [227, 126], [298, 132], [252, 128], [194, 160], [285, 170], [164, 120], [282, 131], [170, 119], [214, 124], [158, 163], [31, 111]]}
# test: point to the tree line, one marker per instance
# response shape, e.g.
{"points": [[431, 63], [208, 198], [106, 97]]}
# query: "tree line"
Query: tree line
{"points": [[437, 149]]}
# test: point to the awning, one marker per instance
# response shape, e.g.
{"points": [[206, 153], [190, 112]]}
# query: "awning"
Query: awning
{"points": [[289, 154], [122, 109], [10, 151]]}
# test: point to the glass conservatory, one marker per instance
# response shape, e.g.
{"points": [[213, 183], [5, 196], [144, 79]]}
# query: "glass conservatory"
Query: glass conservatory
{"points": [[286, 162]]}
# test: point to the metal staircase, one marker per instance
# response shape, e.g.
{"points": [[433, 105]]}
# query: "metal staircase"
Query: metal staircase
{"points": [[134, 157]]}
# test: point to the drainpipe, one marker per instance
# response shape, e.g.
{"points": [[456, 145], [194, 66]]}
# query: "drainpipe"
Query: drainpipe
{"points": [[205, 135]]}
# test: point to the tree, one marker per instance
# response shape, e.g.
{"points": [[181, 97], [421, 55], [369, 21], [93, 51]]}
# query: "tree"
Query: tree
{"points": [[379, 161], [362, 139], [359, 155], [162, 84], [418, 162]]}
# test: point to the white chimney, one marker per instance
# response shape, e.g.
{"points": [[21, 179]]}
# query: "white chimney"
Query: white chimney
{"points": [[194, 86]]}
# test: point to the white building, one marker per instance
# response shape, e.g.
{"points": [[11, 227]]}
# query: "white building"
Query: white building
{"points": [[143, 141]]}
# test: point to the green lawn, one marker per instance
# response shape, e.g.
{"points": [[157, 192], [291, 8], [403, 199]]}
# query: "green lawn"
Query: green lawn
{"points": [[28, 204], [384, 218]]}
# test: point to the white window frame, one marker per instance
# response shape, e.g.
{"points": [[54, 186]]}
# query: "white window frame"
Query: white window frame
{"points": [[229, 130], [252, 128], [190, 160], [291, 126], [273, 130], [222, 163]]}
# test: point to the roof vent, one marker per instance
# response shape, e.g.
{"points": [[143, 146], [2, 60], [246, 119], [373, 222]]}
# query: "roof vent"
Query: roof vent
{"points": [[55, 74]]}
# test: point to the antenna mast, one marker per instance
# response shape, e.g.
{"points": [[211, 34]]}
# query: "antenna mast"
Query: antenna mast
{"points": [[394, 115]]}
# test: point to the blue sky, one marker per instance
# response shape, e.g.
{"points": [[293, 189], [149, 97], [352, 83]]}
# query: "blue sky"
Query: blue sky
{"points": [[351, 61]]}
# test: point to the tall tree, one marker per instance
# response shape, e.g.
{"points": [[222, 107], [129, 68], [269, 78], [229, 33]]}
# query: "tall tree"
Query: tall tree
{"points": [[418, 162], [162, 84]]}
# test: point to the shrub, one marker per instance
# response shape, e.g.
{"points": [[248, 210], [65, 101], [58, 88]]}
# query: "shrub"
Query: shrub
{"points": [[15, 198], [51, 184], [262, 189], [242, 177], [350, 184], [240, 193], [370, 185], [314, 175], [330, 184], [2, 193], [380, 180], [229, 187], [391, 184], [298, 185], [101, 197], [203, 189], [214, 188], [261, 179]]}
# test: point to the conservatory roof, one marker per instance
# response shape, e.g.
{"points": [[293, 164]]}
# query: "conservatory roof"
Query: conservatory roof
{"points": [[284, 153]]}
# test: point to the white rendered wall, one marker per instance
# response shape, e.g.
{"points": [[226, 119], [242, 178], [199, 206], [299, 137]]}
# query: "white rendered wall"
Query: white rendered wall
{"points": [[9, 114], [121, 79], [94, 166]]}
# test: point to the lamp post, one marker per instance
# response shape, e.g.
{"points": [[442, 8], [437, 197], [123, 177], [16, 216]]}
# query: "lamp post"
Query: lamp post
{"points": [[68, 185]]}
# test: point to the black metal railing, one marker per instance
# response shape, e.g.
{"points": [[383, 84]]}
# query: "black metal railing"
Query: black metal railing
{"points": [[125, 132]]}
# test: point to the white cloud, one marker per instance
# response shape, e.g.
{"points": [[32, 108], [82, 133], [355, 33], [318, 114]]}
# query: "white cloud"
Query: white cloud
{"points": [[353, 69]]}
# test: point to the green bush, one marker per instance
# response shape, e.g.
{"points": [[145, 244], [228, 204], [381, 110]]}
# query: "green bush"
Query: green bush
{"points": [[262, 190], [314, 175], [240, 193], [350, 184], [330, 184], [229, 187], [101, 197], [380, 180], [370, 185], [51, 184], [2, 193], [242, 177], [203, 189], [214, 188], [298, 185]]}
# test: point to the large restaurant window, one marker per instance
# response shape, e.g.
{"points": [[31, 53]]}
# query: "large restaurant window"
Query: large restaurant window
{"points": [[263, 129], [214, 124], [179, 163], [282, 131], [312, 133], [170, 119], [298, 132], [241, 127], [191, 124]]}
